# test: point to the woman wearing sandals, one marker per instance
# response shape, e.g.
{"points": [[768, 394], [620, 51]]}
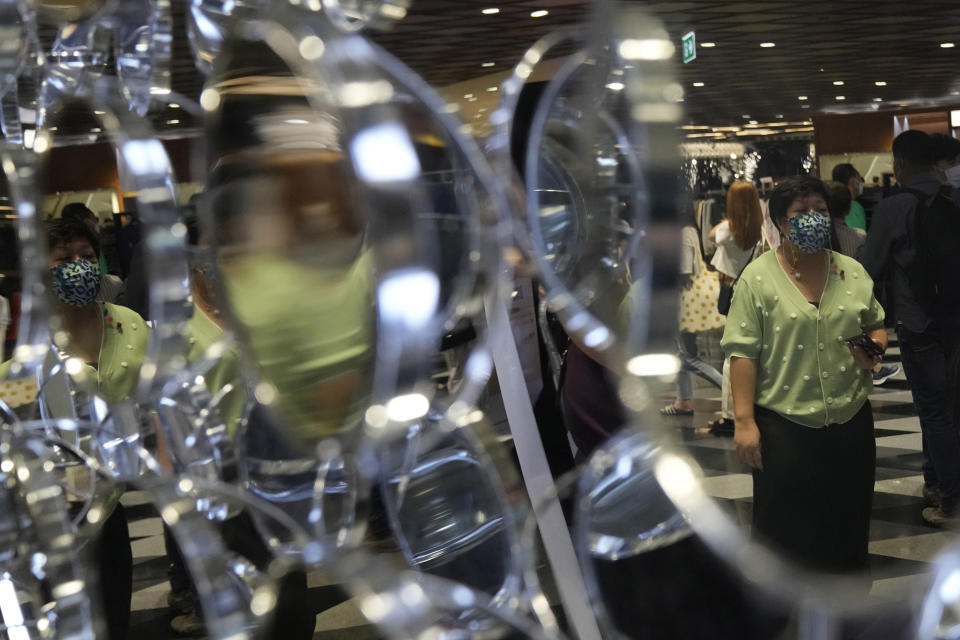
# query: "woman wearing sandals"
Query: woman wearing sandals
{"points": [[738, 242], [698, 313]]}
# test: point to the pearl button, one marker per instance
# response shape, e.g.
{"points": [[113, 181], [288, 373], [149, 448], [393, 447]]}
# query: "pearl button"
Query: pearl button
{"points": [[786, 387], [133, 326], [826, 374], [793, 315], [776, 298], [129, 347], [124, 364], [841, 308], [800, 347], [849, 293], [829, 400], [856, 275], [822, 347], [759, 278], [777, 329], [843, 369], [806, 377], [743, 324], [766, 314], [813, 409]]}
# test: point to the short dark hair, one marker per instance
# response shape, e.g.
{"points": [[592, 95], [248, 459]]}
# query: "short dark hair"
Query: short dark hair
{"points": [[945, 147], [843, 172], [789, 190], [839, 199], [61, 231], [77, 211], [914, 147]]}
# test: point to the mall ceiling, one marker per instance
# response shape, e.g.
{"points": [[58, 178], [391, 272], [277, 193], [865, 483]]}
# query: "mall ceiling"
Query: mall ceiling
{"points": [[817, 44]]}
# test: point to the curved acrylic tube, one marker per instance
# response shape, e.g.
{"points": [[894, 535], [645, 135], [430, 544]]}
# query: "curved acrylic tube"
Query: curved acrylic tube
{"points": [[351, 16]]}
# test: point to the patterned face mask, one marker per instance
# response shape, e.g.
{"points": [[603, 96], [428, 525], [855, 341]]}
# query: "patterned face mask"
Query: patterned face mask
{"points": [[76, 283], [810, 232]]}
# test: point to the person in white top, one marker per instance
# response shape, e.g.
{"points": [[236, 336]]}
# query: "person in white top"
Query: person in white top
{"points": [[737, 236], [738, 239]]}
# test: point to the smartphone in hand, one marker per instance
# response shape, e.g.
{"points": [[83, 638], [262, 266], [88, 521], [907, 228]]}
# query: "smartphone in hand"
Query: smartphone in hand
{"points": [[864, 341]]}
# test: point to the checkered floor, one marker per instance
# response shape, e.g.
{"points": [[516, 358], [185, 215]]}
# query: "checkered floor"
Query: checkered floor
{"points": [[337, 615], [901, 545]]}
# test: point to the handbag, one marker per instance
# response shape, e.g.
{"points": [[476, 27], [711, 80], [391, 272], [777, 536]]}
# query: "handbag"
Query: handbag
{"points": [[726, 289]]}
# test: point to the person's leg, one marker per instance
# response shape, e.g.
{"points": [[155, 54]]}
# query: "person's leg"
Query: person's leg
{"points": [[693, 362], [726, 392], [684, 379], [925, 363], [114, 559]]}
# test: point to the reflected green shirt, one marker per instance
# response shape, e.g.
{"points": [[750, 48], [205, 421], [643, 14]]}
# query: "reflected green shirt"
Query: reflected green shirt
{"points": [[805, 371], [857, 218], [204, 333]]}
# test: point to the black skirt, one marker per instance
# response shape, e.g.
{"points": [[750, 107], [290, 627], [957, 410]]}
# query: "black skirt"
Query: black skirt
{"points": [[812, 500]]}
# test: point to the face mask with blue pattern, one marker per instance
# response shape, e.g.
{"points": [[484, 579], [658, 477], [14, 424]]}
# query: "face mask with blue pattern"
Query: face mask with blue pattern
{"points": [[810, 232], [76, 283]]}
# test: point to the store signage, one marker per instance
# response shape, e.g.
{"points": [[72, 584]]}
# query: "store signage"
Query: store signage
{"points": [[689, 47]]}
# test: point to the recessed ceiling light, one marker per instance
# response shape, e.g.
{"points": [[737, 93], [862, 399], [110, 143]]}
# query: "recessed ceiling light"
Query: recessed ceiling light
{"points": [[491, 88], [698, 84], [491, 11], [539, 13], [708, 45], [878, 99], [768, 45], [615, 86], [838, 83], [745, 117], [779, 116], [488, 64], [96, 130], [841, 97], [803, 98], [880, 83], [98, 112], [947, 45], [804, 106], [173, 105], [173, 122], [753, 122]]}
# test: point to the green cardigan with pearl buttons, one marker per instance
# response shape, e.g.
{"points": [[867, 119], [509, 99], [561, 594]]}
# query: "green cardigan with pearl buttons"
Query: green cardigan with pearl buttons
{"points": [[805, 371]]}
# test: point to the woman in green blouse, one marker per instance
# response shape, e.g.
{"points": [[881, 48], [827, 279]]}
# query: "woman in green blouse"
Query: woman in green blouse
{"points": [[800, 390]]}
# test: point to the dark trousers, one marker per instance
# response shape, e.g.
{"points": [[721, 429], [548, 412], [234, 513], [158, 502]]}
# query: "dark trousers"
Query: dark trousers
{"points": [[812, 500], [114, 558], [929, 362]]}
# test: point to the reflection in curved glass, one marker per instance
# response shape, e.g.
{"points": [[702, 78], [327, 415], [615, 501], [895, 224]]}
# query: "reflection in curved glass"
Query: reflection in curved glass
{"points": [[451, 518], [355, 15], [143, 50]]}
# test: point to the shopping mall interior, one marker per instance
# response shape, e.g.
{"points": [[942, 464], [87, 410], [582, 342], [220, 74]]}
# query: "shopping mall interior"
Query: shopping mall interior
{"points": [[423, 319]]}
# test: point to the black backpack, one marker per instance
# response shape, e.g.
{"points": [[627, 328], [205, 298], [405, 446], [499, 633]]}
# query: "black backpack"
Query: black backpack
{"points": [[935, 273]]}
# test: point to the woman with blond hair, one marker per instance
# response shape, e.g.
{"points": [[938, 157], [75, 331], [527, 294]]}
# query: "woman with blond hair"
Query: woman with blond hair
{"points": [[738, 242]]}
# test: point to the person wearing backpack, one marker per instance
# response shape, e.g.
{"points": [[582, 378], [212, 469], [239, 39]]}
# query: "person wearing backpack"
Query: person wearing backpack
{"points": [[914, 237]]}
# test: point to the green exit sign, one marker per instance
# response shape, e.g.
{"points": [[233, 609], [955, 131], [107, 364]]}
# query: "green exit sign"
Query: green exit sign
{"points": [[689, 47]]}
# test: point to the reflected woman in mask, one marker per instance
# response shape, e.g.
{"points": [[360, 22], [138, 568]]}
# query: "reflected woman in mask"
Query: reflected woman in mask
{"points": [[111, 340]]}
